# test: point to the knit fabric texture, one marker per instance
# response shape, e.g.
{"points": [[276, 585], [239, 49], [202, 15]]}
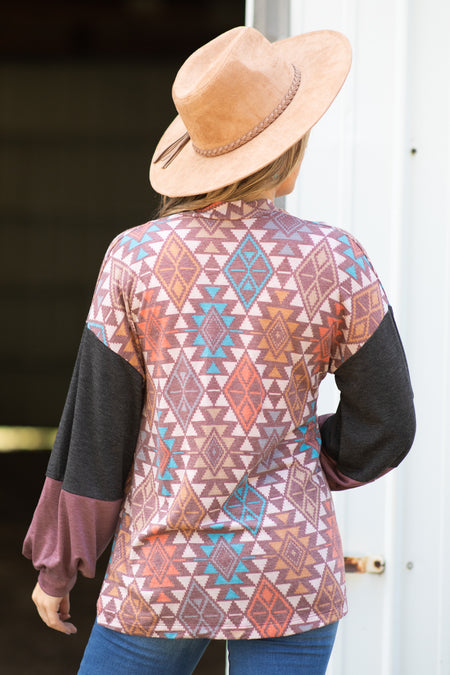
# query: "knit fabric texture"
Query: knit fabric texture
{"points": [[232, 317]]}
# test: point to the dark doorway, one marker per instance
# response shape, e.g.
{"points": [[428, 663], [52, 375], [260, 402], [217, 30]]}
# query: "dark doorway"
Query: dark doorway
{"points": [[85, 90]]}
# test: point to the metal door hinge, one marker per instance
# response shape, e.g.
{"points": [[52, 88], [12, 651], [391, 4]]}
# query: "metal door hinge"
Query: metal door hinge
{"points": [[372, 564]]}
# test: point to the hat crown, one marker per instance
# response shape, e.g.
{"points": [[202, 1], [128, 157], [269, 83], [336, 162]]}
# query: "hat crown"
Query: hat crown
{"points": [[242, 102], [226, 88]]}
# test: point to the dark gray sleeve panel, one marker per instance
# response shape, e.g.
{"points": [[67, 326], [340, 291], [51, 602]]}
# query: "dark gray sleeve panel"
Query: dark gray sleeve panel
{"points": [[97, 436], [374, 425]]}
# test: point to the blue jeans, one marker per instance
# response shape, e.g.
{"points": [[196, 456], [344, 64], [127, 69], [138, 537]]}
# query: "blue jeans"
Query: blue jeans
{"points": [[112, 653]]}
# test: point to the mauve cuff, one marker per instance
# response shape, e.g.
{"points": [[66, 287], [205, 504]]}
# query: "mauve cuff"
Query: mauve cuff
{"points": [[68, 533], [339, 481], [335, 478], [323, 418], [58, 588]]}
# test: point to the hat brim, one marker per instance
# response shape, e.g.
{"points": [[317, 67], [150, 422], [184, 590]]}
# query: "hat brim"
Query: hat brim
{"points": [[323, 59]]}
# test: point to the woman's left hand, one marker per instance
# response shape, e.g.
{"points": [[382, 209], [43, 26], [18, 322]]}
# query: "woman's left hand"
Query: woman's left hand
{"points": [[53, 611]]}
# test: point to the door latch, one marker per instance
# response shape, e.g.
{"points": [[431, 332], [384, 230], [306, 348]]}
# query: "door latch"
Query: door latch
{"points": [[372, 564]]}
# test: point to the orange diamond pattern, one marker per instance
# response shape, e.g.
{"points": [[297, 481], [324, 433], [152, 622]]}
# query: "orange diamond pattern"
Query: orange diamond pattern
{"points": [[269, 610], [245, 392]]}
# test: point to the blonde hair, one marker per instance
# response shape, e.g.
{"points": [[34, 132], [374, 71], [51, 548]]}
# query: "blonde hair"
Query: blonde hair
{"points": [[247, 189]]}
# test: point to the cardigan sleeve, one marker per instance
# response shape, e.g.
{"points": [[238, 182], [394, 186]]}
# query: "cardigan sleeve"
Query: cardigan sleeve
{"points": [[94, 448], [374, 425]]}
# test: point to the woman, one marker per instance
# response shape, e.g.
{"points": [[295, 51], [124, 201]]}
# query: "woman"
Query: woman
{"points": [[190, 427]]}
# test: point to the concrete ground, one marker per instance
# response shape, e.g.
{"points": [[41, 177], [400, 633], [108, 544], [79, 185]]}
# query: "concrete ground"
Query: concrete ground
{"points": [[27, 646]]}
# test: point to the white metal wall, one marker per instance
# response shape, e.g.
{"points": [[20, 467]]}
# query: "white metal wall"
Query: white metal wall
{"points": [[378, 165]]}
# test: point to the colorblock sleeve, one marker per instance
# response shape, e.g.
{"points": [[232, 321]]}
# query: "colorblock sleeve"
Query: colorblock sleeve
{"points": [[67, 535], [374, 425], [94, 447]]}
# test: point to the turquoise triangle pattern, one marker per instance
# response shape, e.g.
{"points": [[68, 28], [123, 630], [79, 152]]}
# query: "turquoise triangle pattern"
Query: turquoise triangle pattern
{"points": [[142, 254], [221, 581], [213, 290], [352, 271], [231, 595], [206, 306]]}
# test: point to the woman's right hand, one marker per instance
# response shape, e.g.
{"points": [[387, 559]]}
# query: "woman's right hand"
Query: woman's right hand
{"points": [[53, 611]]}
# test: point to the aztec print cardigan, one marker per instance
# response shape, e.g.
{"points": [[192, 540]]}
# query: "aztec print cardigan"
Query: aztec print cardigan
{"points": [[191, 431]]}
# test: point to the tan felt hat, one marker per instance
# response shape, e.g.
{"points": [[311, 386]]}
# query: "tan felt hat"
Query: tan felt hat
{"points": [[242, 101]]}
